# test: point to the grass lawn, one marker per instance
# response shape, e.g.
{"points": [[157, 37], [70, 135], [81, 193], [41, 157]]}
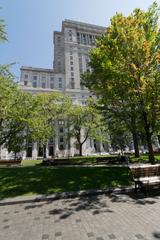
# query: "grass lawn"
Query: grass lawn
{"points": [[144, 159], [29, 180]]}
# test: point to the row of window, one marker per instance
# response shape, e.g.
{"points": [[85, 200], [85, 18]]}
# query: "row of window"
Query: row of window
{"points": [[86, 39], [43, 85], [35, 77], [72, 82], [82, 38]]}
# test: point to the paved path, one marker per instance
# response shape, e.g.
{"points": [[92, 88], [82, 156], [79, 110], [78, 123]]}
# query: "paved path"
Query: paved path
{"points": [[121, 217]]}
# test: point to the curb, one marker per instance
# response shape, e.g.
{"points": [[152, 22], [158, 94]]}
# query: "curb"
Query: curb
{"points": [[64, 195]]}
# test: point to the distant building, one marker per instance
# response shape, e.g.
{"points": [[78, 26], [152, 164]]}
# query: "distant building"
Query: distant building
{"points": [[71, 47]]}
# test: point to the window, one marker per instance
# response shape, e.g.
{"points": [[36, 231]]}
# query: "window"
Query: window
{"points": [[72, 85], [25, 83], [61, 147], [26, 76], [61, 122], [71, 57], [72, 68], [34, 84], [58, 40], [78, 37], [51, 141], [51, 150], [71, 52], [61, 139], [43, 78], [34, 77], [60, 83], [77, 146], [72, 74], [43, 85], [61, 130], [51, 85], [29, 151], [71, 63], [40, 151], [51, 82]]}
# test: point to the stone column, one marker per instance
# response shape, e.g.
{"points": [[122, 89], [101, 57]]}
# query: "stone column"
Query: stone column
{"points": [[56, 147], [47, 150], [34, 150]]}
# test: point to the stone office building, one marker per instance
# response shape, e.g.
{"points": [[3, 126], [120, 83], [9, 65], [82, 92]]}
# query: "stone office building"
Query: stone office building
{"points": [[71, 47]]}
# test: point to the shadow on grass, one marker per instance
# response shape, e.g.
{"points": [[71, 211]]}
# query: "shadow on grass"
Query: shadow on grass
{"points": [[47, 180]]}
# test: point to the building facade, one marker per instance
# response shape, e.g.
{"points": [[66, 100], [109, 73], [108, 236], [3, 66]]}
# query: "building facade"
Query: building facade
{"points": [[71, 48]]}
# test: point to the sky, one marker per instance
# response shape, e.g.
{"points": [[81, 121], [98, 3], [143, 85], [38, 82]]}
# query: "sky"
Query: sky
{"points": [[30, 25]]}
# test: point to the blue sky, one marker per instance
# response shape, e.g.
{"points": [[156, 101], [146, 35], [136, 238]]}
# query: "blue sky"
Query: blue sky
{"points": [[30, 25]]}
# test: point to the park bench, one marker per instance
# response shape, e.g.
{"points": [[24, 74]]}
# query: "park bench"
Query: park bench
{"points": [[145, 176], [56, 161], [10, 162], [61, 161], [112, 160]]}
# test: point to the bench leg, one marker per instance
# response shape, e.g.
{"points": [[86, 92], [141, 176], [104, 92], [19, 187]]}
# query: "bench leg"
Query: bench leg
{"points": [[140, 186], [136, 187]]}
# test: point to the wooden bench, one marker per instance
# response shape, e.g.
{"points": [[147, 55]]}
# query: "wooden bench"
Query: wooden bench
{"points": [[61, 161], [10, 162], [145, 176], [57, 161], [106, 160], [112, 160]]}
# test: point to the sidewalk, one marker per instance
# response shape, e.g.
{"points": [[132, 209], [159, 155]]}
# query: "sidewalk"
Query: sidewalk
{"points": [[63, 195], [98, 217]]}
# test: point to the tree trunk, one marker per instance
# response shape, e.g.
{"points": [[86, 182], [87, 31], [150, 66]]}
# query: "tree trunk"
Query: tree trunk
{"points": [[135, 142], [44, 152], [158, 138], [150, 147], [80, 149], [149, 139]]}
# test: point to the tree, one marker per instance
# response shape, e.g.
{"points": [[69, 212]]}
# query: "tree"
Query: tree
{"points": [[49, 109], [125, 68], [120, 137], [3, 35], [86, 122], [16, 110]]}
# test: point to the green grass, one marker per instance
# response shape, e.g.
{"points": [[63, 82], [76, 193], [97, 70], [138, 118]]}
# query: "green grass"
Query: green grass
{"points": [[92, 160], [143, 159], [31, 162], [18, 181]]}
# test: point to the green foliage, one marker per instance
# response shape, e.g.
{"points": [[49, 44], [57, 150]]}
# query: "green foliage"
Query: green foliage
{"points": [[120, 137], [86, 122], [3, 35], [124, 66], [49, 109]]}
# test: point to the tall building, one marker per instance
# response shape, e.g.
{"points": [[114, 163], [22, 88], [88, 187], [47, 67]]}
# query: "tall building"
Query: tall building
{"points": [[71, 48]]}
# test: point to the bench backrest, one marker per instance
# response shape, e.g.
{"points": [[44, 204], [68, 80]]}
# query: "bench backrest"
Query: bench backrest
{"points": [[8, 162], [145, 171]]}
